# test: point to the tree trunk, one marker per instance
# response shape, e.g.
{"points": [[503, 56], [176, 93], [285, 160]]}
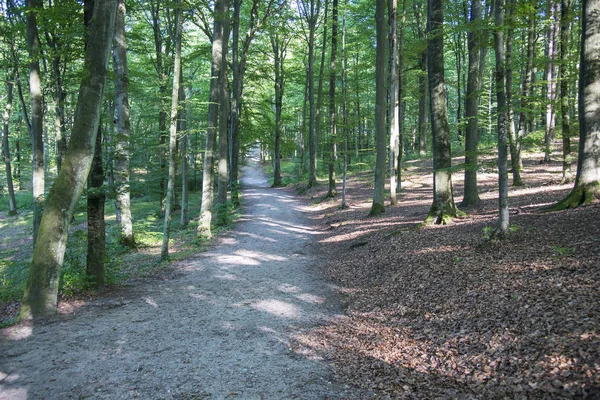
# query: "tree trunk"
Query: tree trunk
{"points": [[587, 180], [475, 38], [278, 44], [400, 98], [12, 201], [164, 253], [378, 206], [185, 158], [503, 216], [422, 123], [565, 24], [551, 49], [235, 106], [96, 240], [344, 107], [223, 119], [122, 123], [443, 209], [331, 192], [204, 226], [318, 121], [37, 118], [394, 99], [40, 297]]}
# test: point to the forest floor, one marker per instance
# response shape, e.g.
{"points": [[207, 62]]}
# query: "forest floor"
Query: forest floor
{"points": [[444, 312], [305, 300], [219, 325]]}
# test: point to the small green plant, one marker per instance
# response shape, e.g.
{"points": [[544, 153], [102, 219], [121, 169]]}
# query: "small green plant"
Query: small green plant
{"points": [[563, 251]]}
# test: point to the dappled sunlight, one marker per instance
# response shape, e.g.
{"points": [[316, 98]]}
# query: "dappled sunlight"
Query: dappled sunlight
{"points": [[21, 331], [150, 301], [311, 298], [227, 277], [277, 308]]}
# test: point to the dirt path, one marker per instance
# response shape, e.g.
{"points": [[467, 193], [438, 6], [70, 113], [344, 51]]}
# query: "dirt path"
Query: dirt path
{"points": [[220, 330]]}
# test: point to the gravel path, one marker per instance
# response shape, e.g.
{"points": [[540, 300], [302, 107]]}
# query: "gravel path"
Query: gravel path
{"points": [[221, 330]]}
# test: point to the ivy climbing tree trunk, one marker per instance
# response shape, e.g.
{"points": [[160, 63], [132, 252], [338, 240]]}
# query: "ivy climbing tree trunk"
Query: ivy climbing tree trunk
{"points": [[378, 206], [41, 290], [587, 180], [37, 118], [122, 123], [443, 209]]}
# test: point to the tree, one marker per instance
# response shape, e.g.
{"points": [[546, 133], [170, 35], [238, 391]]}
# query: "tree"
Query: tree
{"points": [[503, 219], [565, 24], [332, 106], [37, 118], [279, 45], [475, 37], [12, 201], [587, 180], [122, 123], [378, 206], [173, 134], [443, 209], [223, 118], [204, 226], [309, 10], [394, 99], [40, 297]]}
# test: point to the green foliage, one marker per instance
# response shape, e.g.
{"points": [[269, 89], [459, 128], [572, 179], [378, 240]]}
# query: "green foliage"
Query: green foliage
{"points": [[563, 251]]}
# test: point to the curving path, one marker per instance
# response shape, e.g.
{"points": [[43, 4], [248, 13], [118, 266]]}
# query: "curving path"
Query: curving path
{"points": [[220, 330]]}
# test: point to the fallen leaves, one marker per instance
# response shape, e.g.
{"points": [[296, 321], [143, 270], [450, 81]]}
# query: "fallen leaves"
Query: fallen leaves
{"points": [[439, 312]]}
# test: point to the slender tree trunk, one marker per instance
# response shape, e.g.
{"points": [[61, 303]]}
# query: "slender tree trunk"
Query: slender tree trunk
{"points": [[185, 158], [122, 137], [312, 18], [503, 216], [344, 107], [587, 180], [332, 105], [12, 201], [223, 120], [41, 290], [551, 47], [96, 240], [318, 119], [475, 37], [378, 206], [204, 226], [59, 121], [443, 209], [164, 253], [278, 45], [37, 118], [525, 88], [394, 99], [422, 120], [400, 98], [565, 24], [510, 111], [235, 105]]}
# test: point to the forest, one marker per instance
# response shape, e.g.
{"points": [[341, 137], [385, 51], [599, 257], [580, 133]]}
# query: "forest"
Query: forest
{"points": [[126, 124]]}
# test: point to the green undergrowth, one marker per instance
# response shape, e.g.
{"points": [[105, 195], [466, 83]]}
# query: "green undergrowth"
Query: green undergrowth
{"points": [[122, 264]]}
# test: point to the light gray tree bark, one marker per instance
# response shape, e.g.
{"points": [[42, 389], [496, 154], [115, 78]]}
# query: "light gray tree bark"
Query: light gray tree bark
{"points": [[41, 290], [394, 99], [12, 201], [164, 253], [565, 28], [204, 226], [122, 123], [222, 166], [331, 192], [499, 47], [37, 117]]}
